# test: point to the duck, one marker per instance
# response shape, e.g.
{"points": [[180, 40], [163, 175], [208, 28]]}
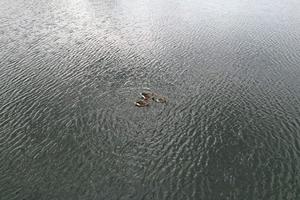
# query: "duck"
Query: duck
{"points": [[141, 103], [148, 95], [159, 99]]}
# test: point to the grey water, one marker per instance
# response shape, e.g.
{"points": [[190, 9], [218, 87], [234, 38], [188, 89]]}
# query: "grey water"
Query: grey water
{"points": [[70, 71]]}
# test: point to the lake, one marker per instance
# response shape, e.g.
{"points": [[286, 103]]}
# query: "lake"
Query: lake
{"points": [[71, 70]]}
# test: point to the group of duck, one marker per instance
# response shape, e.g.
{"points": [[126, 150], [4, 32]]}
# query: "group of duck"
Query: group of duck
{"points": [[147, 97]]}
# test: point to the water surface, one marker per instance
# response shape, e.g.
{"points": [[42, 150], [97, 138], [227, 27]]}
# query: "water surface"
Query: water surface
{"points": [[70, 71]]}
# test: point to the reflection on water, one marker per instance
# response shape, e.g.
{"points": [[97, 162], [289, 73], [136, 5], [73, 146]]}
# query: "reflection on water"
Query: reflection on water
{"points": [[71, 70]]}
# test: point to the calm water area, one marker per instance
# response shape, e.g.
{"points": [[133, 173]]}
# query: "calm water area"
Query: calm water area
{"points": [[70, 71]]}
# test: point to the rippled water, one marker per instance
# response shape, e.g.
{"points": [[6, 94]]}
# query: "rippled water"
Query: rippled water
{"points": [[71, 70]]}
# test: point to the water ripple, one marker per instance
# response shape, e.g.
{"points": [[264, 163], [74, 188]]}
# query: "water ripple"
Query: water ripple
{"points": [[71, 70]]}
